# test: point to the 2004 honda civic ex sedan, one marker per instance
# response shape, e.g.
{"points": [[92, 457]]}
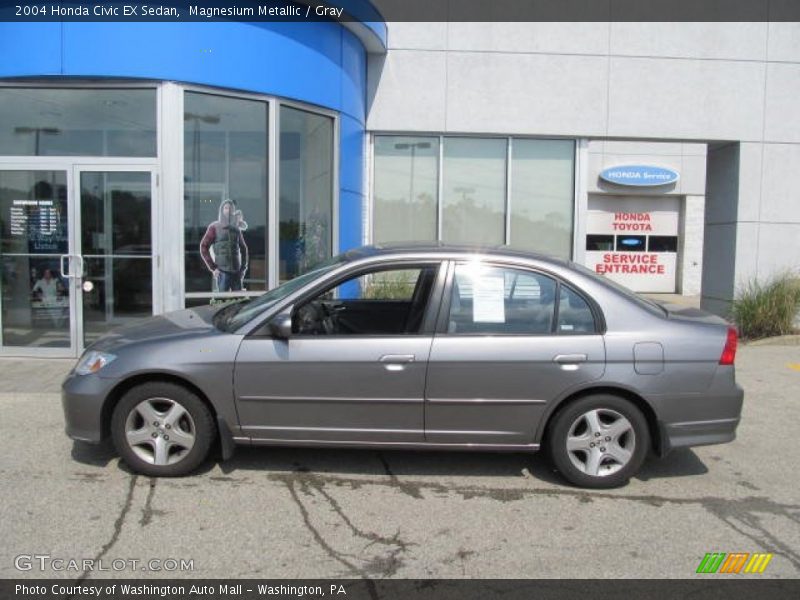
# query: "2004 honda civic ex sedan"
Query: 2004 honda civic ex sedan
{"points": [[426, 347]]}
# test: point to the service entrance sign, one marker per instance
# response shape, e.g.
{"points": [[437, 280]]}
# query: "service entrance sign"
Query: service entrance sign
{"points": [[634, 240]]}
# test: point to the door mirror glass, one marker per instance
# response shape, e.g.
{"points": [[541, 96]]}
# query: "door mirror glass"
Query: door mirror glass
{"points": [[281, 326]]}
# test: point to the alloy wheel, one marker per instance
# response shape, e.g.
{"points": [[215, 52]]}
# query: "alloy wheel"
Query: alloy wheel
{"points": [[600, 442], [160, 431]]}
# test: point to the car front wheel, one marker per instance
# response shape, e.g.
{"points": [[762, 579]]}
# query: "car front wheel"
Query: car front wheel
{"points": [[599, 441], [162, 429]]}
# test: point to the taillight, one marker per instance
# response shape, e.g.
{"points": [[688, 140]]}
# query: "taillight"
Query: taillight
{"points": [[729, 351]]}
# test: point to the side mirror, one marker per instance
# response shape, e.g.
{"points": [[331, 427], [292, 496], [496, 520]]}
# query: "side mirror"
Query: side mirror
{"points": [[281, 326]]}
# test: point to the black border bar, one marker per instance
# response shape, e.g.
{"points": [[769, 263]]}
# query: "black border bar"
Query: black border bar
{"points": [[703, 587], [409, 10]]}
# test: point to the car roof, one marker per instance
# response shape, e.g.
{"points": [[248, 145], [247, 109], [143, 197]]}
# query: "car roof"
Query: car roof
{"points": [[439, 248]]}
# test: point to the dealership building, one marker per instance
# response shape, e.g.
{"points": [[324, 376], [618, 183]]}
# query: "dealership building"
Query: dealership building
{"points": [[663, 155]]}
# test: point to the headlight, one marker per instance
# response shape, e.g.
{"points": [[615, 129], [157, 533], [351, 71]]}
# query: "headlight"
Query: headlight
{"points": [[92, 362]]}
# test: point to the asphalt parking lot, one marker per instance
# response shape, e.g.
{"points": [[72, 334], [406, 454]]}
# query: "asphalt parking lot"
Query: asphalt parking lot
{"points": [[288, 513]]}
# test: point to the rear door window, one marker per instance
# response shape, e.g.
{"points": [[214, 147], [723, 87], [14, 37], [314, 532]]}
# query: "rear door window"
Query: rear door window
{"points": [[574, 314], [486, 299]]}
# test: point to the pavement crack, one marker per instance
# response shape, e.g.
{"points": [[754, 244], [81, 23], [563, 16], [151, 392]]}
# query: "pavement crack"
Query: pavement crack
{"points": [[736, 514], [372, 537], [745, 512], [323, 543], [405, 487], [147, 511], [118, 524]]}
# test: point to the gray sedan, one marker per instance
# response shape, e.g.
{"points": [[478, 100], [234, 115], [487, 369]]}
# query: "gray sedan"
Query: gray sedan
{"points": [[426, 347]]}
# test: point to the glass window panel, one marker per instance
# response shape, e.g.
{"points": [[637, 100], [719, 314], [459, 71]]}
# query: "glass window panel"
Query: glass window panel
{"points": [[631, 243], [306, 191], [597, 242], [116, 248], [385, 302], [494, 300], [663, 243], [406, 188], [542, 197], [115, 291], [574, 315], [35, 302], [225, 203], [33, 230], [77, 122], [33, 212], [474, 190], [115, 213]]}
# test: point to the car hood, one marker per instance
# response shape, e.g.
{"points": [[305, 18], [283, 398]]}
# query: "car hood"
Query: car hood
{"points": [[191, 322]]}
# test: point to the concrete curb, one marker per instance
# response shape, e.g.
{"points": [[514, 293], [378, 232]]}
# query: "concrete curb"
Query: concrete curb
{"points": [[780, 340]]}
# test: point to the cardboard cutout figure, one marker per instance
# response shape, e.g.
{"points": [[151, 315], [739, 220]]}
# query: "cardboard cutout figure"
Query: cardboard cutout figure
{"points": [[224, 250]]}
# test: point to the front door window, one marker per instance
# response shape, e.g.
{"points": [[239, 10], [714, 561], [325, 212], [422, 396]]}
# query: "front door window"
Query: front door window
{"points": [[385, 302]]}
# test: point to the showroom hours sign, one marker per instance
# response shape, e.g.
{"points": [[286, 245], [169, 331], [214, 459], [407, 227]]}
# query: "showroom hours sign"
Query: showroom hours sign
{"points": [[37, 226]]}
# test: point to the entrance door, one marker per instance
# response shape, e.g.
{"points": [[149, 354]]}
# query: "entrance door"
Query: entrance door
{"points": [[37, 302], [76, 253], [114, 279]]}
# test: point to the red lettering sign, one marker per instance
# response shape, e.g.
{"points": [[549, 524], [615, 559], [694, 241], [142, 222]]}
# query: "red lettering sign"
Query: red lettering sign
{"points": [[630, 221], [645, 264]]}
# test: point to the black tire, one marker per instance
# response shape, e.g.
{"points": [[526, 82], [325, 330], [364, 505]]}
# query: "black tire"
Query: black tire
{"points": [[612, 473], [198, 417]]}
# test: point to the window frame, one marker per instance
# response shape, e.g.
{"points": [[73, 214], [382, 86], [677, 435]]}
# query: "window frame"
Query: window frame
{"points": [[447, 291], [273, 181], [427, 326], [575, 205]]}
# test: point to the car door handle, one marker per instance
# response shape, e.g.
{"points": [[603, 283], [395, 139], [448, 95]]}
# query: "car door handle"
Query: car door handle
{"points": [[396, 362], [569, 359], [397, 358]]}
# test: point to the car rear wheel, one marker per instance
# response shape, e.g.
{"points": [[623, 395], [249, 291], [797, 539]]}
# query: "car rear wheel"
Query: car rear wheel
{"points": [[162, 429], [599, 441]]}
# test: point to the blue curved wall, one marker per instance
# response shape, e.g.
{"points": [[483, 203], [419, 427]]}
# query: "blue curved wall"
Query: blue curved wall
{"points": [[320, 63]]}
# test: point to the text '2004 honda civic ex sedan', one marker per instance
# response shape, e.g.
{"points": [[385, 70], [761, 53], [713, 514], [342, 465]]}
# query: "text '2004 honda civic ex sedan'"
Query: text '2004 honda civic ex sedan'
{"points": [[427, 347]]}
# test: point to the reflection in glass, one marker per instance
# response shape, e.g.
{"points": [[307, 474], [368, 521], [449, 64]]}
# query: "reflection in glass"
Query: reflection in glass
{"points": [[115, 291], [115, 213], [225, 158], [305, 205], [77, 122], [117, 283], [542, 172], [630, 243], [662, 243], [406, 188], [474, 190], [599, 243], [501, 301], [33, 226]]}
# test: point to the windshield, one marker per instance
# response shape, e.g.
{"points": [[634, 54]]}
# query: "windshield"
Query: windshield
{"points": [[234, 315], [645, 303]]}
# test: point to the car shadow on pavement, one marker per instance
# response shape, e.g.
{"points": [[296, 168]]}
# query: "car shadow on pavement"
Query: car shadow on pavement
{"points": [[93, 455], [405, 463], [681, 462], [395, 463]]}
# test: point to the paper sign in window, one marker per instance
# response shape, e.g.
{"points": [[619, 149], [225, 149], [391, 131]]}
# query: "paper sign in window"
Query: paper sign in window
{"points": [[488, 299]]}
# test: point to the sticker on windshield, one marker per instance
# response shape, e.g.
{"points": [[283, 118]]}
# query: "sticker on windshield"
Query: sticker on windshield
{"points": [[488, 305]]}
